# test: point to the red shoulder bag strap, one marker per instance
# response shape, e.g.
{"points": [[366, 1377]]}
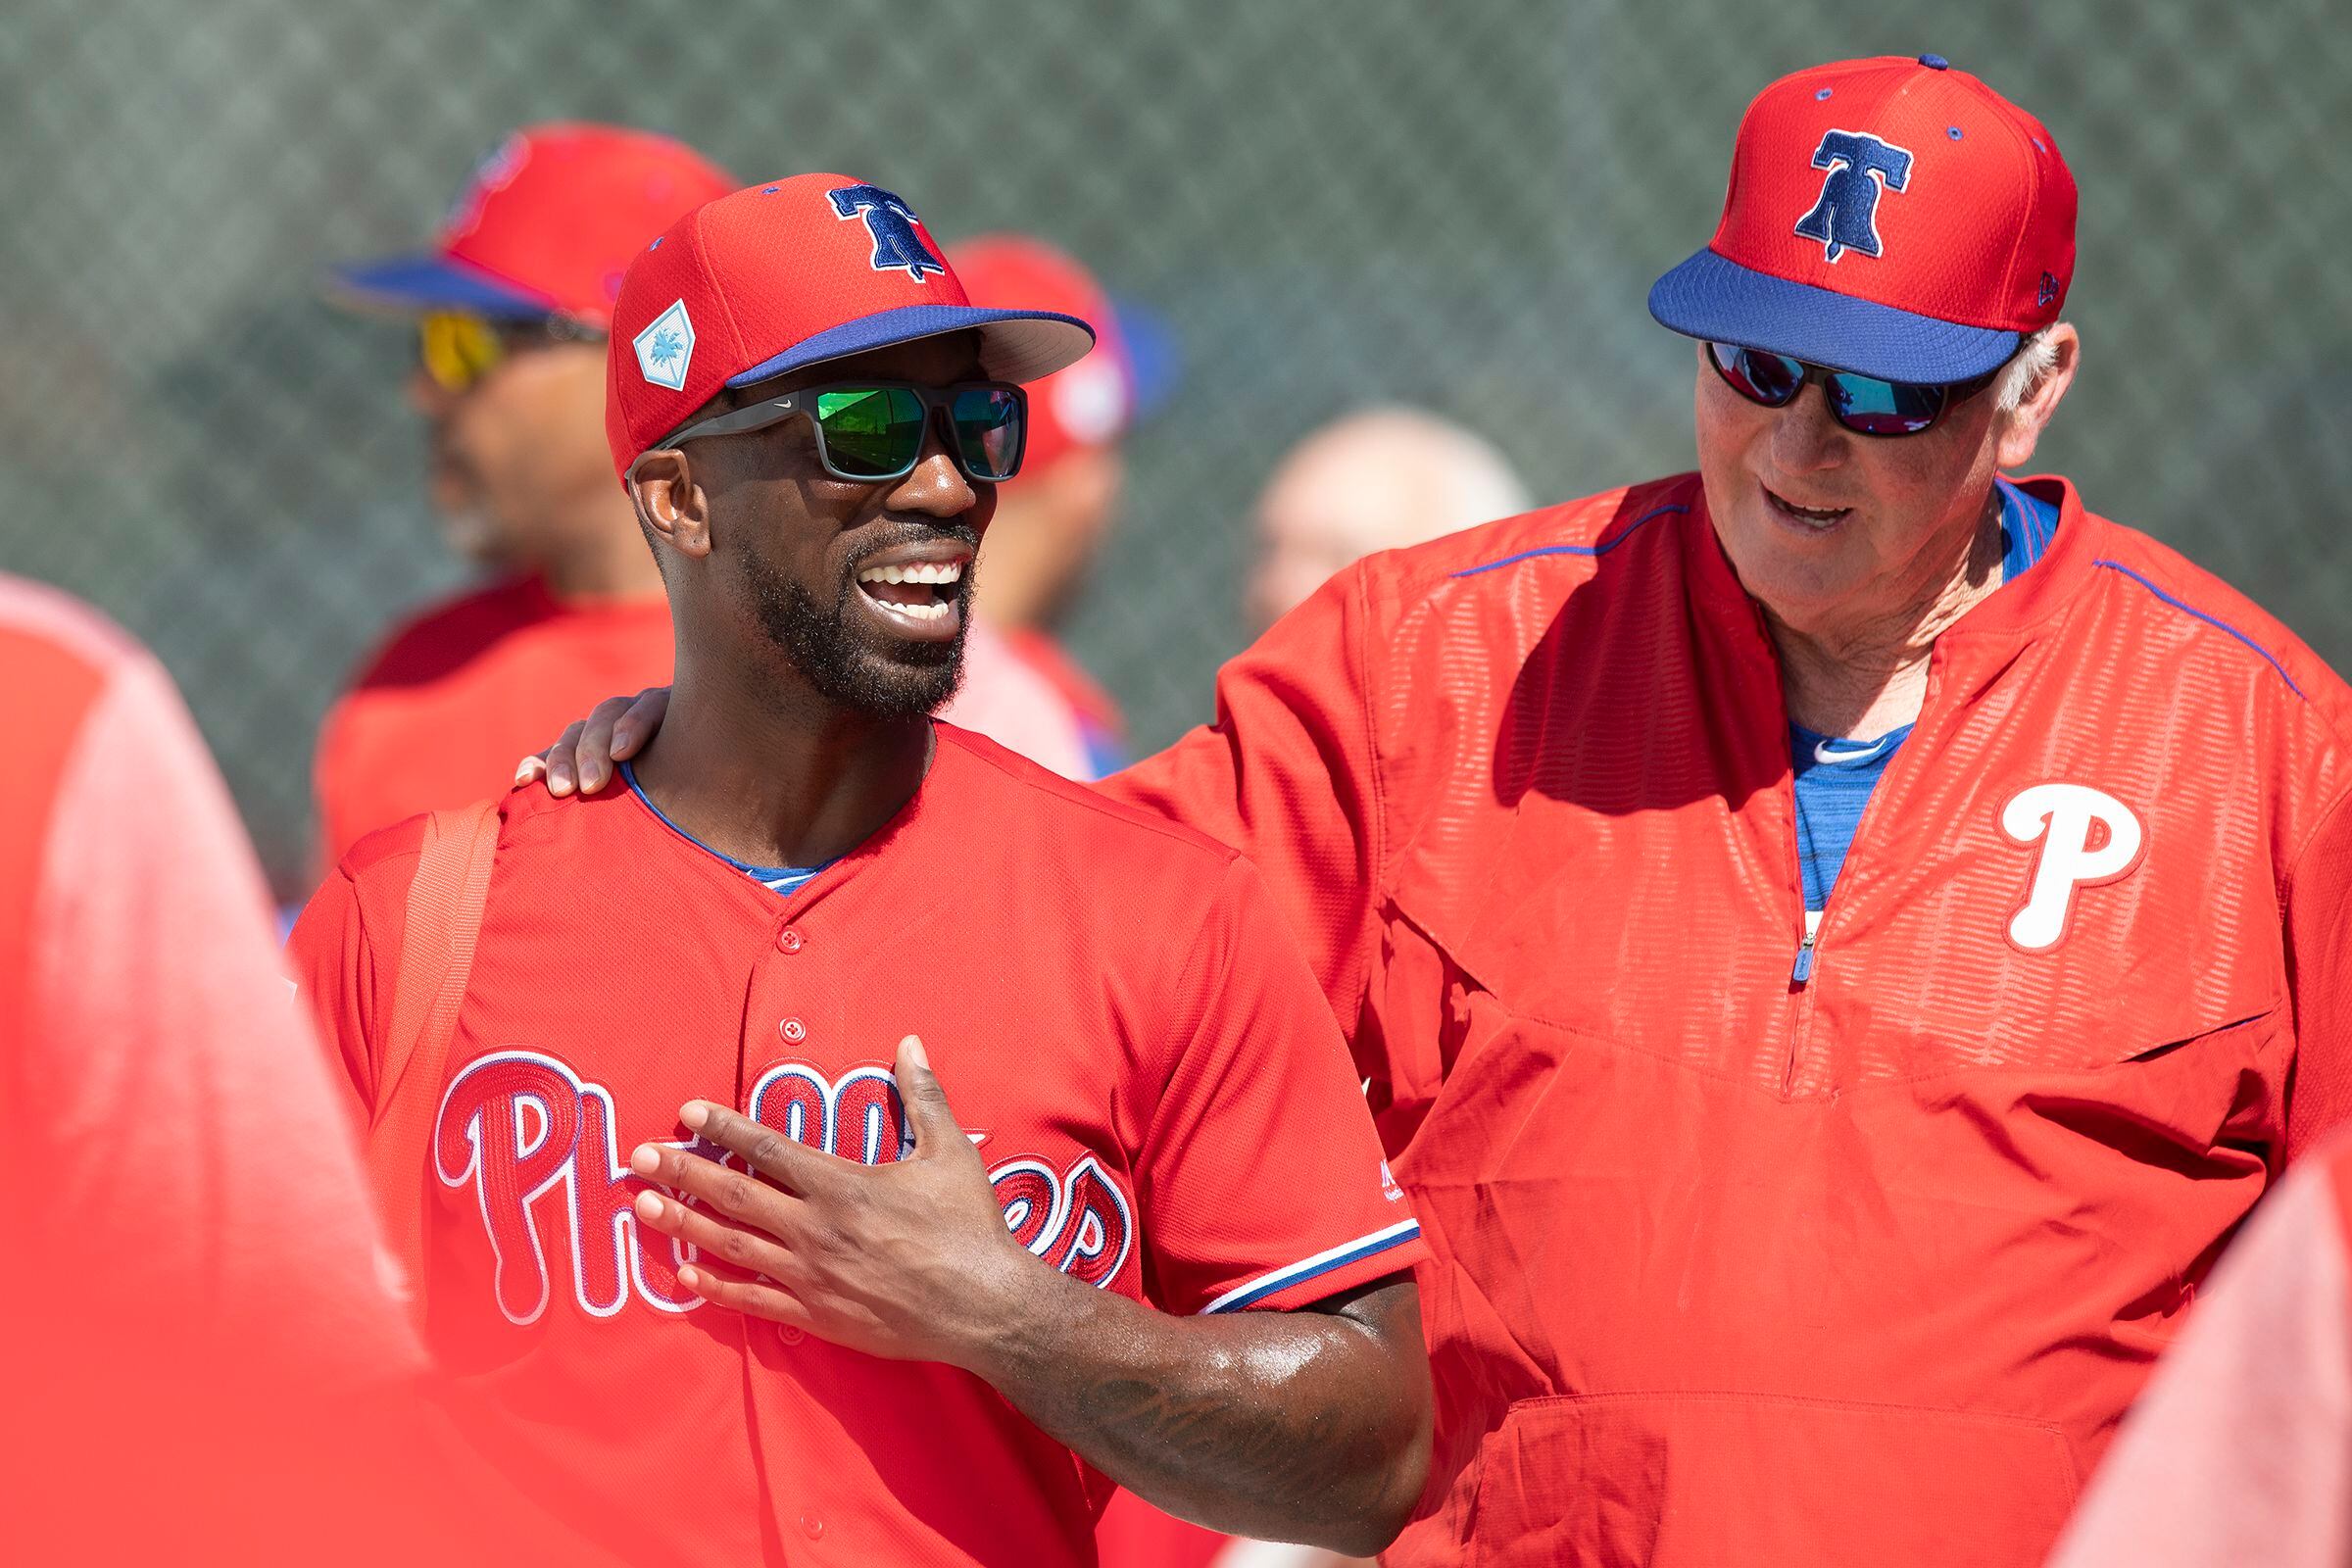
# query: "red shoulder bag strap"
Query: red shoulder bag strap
{"points": [[436, 957]]}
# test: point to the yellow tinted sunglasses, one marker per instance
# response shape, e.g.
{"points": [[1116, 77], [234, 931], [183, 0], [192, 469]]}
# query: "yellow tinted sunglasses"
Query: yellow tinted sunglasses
{"points": [[457, 348]]}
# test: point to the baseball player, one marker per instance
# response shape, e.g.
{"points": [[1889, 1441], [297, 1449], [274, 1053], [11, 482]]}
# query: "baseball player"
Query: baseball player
{"points": [[693, 1217], [1838, 939], [512, 304]]}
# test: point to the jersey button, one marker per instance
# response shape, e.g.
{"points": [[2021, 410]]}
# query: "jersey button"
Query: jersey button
{"points": [[812, 1527], [790, 940], [794, 1030]]}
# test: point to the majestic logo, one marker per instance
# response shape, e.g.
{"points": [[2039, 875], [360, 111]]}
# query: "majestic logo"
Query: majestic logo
{"points": [[2088, 838], [538, 1147], [890, 223], [665, 348], [1847, 216]]}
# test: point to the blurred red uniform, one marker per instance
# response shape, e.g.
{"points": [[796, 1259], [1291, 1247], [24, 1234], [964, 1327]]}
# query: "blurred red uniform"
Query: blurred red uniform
{"points": [[2241, 1451], [184, 1314], [439, 714]]}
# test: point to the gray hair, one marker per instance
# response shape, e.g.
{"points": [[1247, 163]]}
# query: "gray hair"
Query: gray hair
{"points": [[2033, 360]]}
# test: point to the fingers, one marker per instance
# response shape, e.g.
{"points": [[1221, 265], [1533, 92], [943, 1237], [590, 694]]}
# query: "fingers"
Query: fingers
{"points": [[934, 1125], [636, 727], [745, 1250], [530, 770], [792, 1166], [751, 1298], [562, 775], [592, 751], [738, 1195]]}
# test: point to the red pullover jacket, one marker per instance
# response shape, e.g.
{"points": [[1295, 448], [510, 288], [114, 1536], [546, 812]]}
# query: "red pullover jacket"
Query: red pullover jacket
{"points": [[1732, 1267]]}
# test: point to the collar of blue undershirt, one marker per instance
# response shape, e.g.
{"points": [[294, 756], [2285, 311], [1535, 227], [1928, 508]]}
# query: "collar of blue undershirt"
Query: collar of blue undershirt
{"points": [[2027, 525], [774, 878]]}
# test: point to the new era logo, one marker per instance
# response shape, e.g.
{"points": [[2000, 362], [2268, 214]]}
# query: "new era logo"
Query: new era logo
{"points": [[666, 346]]}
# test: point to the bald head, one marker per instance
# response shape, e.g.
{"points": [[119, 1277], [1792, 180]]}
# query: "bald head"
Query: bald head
{"points": [[1376, 481]]}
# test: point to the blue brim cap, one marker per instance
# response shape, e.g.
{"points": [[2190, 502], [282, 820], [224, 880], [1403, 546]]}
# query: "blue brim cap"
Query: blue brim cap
{"points": [[1015, 345], [1717, 300], [434, 284]]}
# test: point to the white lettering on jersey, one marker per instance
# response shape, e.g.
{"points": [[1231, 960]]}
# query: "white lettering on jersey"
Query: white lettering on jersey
{"points": [[2086, 836]]}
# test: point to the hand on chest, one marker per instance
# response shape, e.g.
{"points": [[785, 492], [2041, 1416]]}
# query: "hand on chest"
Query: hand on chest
{"points": [[531, 1148]]}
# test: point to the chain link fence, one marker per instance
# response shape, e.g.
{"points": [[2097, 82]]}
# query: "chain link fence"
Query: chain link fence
{"points": [[1326, 203]]}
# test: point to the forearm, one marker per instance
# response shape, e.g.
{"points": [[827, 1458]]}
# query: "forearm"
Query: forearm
{"points": [[1289, 1425]]}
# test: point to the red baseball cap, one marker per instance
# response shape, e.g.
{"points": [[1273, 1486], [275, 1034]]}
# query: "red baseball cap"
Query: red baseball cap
{"points": [[1892, 217], [1082, 406], [779, 276], [546, 226]]}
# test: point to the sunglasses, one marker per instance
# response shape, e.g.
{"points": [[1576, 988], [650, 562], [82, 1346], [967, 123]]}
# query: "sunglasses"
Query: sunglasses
{"points": [[867, 431], [457, 348], [1862, 404]]}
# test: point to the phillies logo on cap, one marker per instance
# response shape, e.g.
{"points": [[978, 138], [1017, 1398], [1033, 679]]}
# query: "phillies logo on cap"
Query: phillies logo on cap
{"points": [[1861, 166], [665, 348], [890, 223]]}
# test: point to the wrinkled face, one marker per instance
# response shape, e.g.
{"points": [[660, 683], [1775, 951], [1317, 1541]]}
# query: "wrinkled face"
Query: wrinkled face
{"points": [[514, 455], [1828, 528], [864, 587]]}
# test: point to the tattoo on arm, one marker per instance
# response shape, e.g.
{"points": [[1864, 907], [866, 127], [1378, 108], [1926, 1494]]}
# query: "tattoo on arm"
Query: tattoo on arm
{"points": [[1273, 1424]]}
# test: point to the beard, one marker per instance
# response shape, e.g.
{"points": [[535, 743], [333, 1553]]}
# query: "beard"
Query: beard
{"points": [[882, 678]]}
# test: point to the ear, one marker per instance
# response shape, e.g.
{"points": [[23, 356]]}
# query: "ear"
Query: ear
{"points": [[669, 503], [2020, 430]]}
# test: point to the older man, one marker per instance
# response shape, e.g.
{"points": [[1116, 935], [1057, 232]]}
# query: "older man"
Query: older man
{"points": [[1837, 941]]}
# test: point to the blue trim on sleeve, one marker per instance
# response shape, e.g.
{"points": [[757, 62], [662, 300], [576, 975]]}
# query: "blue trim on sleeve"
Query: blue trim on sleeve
{"points": [[2210, 621], [1594, 551], [1299, 1273]]}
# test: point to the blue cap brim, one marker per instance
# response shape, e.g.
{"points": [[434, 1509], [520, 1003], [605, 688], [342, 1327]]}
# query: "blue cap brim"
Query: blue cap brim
{"points": [[1015, 345], [434, 283], [1715, 299]]}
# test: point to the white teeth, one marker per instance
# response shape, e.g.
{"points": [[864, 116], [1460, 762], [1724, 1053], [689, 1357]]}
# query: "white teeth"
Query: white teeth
{"points": [[921, 571], [936, 611]]}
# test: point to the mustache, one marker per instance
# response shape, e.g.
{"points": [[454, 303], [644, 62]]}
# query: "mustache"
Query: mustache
{"points": [[899, 535]]}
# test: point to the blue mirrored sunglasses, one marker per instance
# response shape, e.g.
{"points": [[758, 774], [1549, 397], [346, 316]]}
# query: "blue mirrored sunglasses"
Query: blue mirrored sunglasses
{"points": [[1862, 404]]}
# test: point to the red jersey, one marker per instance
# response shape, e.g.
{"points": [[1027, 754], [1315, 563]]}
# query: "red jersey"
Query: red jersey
{"points": [[1734, 1265], [459, 693], [1120, 1022]]}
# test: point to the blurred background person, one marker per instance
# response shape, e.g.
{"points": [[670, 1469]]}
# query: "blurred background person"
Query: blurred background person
{"points": [[206, 1356], [1379, 479], [510, 305], [1053, 518], [2240, 1451]]}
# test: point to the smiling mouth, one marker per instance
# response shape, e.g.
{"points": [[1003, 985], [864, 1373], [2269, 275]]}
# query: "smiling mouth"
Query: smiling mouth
{"points": [[916, 592], [1814, 517]]}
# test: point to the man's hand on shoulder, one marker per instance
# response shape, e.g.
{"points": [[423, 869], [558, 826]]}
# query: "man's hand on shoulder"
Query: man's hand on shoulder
{"points": [[584, 756]]}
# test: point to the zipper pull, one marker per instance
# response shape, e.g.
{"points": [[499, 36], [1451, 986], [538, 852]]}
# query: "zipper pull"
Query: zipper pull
{"points": [[1804, 952]]}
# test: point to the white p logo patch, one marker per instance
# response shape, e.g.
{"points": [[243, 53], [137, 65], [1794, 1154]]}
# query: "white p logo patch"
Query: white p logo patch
{"points": [[2065, 820]]}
